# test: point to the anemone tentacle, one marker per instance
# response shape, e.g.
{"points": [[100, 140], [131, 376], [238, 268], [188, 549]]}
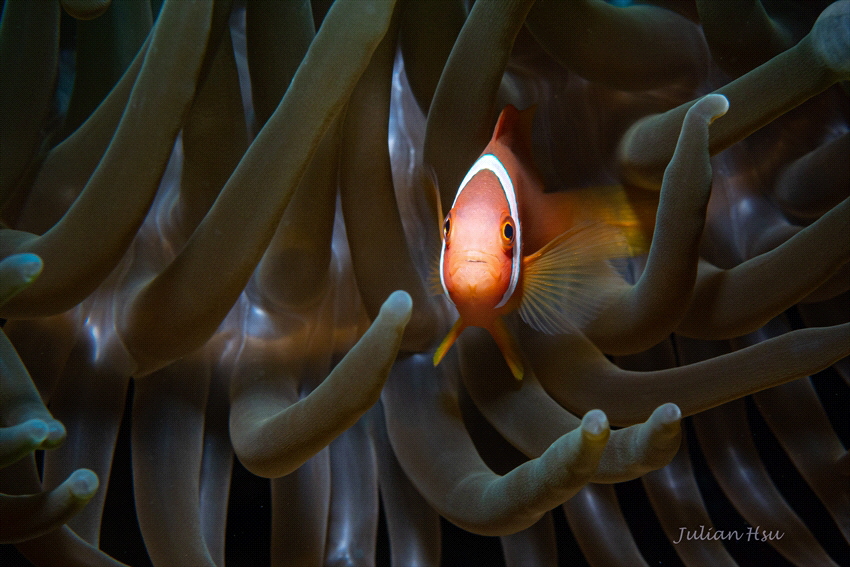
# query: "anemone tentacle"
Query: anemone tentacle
{"points": [[214, 283]]}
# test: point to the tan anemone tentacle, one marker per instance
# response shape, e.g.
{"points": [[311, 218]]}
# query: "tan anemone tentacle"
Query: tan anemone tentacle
{"points": [[412, 524], [25, 422], [647, 312], [297, 275], [214, 138], [68, 166], [802, 419], [372, 220], [21, 439], [27, 512], [272, 440], [89, 399], [24, 418], [587, 382], [300, 504], [816, 182], [817, 62], [44, 368], [535, 545], [741, 35], [27, 516], [726, 440], [600, 529], [64, 547], [16, 273], [630, 452], [91, 391], [428, 30], [167, 318], [216, 462], [291, 316], [352, 531], [60, 546], [277, 36], [353, 512], [105, 47], [465, 98], [168, 425], [75, 266], [772, 282], [435, 450], [831, 312], [636, 47], [676, 483], [86, 9], [29, 52]]}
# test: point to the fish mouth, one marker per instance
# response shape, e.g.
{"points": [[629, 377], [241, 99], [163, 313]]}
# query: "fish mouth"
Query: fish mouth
{"points": [[476, 264], [476, 278]]}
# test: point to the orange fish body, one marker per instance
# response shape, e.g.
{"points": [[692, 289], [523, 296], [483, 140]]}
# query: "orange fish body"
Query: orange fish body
{"points": [[509, 246]]}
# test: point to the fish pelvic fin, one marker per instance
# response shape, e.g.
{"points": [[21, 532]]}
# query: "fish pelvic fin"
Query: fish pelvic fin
{"points": [[508, 345], [449, 340], [568, 281]]}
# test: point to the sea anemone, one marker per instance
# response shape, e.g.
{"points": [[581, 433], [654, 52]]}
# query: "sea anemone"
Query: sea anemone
{"points": [[219, 243]]}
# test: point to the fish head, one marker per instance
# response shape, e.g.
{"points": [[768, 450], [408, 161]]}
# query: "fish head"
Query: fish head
{"points": [[480, 247]]}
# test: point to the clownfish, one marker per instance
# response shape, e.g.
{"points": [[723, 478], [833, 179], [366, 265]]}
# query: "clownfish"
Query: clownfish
{"points": [[508, 246]]}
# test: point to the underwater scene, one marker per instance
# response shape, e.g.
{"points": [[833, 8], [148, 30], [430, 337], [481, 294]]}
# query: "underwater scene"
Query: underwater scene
{"points": [[424, 282]]}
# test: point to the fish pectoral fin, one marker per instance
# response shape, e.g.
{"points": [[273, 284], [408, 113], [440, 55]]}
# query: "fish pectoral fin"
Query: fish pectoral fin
{"points": [[567, 282], [435, 283], [508, 345], [449, 340]]}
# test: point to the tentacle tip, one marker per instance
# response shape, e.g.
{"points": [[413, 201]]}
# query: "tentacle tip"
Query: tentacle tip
{"points": [[37, 430], [85, 10], [83, 483], [831, 38], [668, 413], [20, 270], [55, 433], [399, 304], [29, 266], [594, 424], [716, 105]]}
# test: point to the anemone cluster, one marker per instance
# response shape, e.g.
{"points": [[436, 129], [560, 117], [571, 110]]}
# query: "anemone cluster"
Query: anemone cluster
{"points": [[219, 225]]}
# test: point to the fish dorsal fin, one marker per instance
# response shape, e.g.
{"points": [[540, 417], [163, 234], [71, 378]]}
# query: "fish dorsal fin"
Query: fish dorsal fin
{"points": [[513, 129], [567, 282]]}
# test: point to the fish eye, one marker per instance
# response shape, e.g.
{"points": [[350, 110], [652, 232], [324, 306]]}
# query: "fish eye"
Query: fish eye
{"points": [[508, 232], [447, 227]]}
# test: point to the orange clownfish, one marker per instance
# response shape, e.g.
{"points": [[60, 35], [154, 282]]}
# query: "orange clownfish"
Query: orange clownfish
{"points": [[508, 246]]}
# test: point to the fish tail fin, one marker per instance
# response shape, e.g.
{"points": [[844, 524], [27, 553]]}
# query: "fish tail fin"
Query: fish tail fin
{"points": [[508, 345], [449, 340], [566, 283]]}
